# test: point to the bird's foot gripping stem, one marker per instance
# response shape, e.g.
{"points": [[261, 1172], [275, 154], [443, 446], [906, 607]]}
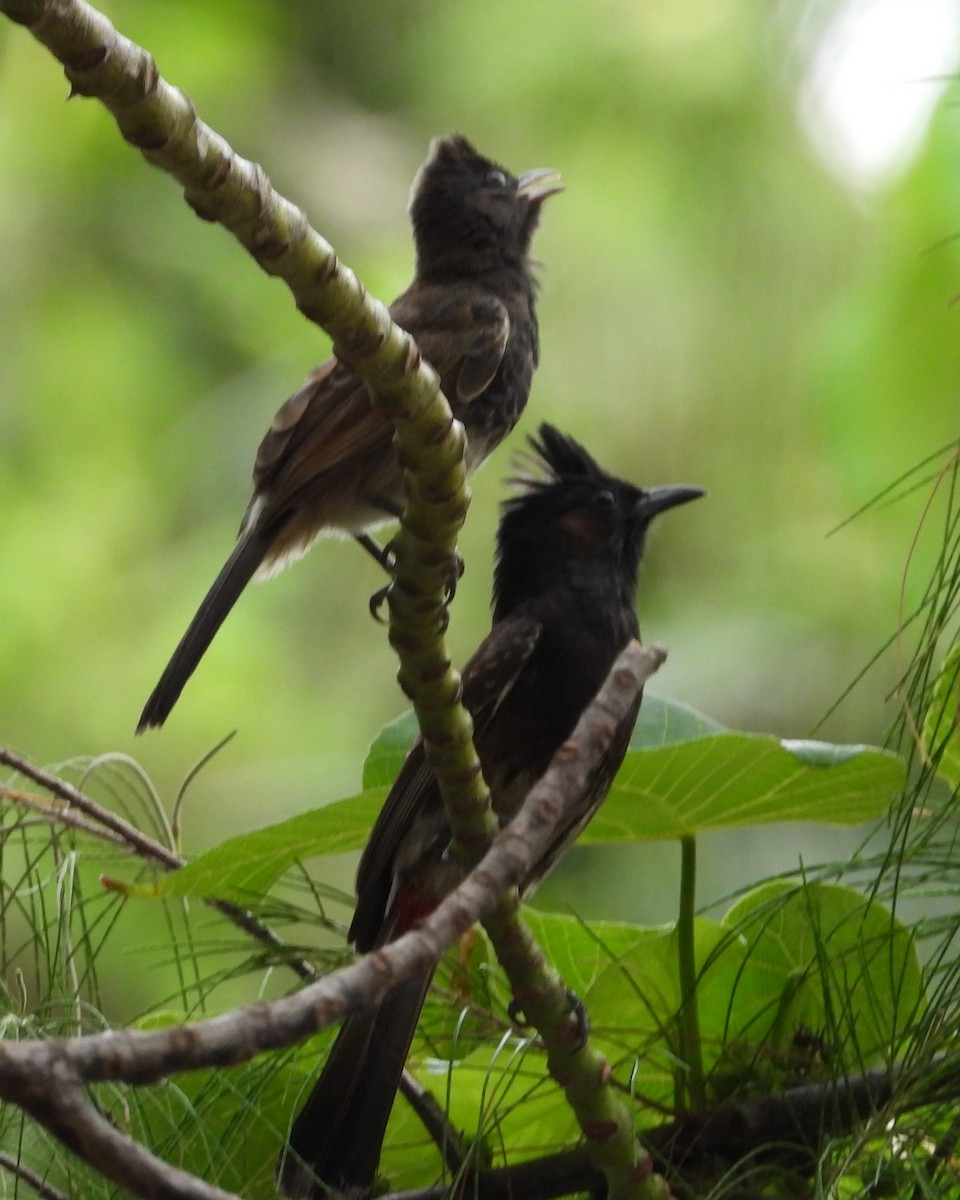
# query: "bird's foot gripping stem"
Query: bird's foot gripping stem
{"points": [[385, 557], [577, 1018]]}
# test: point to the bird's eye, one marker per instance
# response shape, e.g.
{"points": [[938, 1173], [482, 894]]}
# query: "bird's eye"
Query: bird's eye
{"points": [[605, 500], [496, 179]]}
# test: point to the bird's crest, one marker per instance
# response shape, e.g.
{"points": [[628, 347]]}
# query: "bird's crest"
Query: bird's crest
{"points": [[553, 457]]}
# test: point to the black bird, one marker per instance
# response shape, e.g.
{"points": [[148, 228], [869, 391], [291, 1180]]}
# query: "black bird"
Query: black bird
{"points": [[327, 462], [568, 552]]}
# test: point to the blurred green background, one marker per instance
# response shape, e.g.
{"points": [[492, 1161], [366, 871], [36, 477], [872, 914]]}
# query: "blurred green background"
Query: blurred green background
{"points": [[746, 285]]}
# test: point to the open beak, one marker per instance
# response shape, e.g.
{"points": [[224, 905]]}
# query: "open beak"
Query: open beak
{"points": [[536, 186], [658, 500]]}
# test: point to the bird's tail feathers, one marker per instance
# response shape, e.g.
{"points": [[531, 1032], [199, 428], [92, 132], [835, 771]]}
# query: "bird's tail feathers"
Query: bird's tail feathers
{"points": [[337, 1136], [237, 572]]}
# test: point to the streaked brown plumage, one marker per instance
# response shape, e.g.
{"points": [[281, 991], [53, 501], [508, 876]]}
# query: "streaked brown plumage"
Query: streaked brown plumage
{"points": [[327, 462]]}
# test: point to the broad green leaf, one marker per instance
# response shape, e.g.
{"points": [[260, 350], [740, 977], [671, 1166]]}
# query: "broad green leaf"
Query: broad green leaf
{"points": [[627, 976], [662, 722], [501, 1093], [499, 1090], [822, 957], [389, 749], [469, 999], [695, 779], [733, 779], [785, 958], [581, 952], [684, 773], [940, 739], [249, 864]]}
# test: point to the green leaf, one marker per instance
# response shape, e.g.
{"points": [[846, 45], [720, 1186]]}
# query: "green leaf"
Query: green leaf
{"points": [[693, 779], [581, 952], [685, 773], [939, 734], [628, 978], [502, 1095], [662, 722], [249, 864], [389, 749], [823, 754], [824, 958], [785, 958], [733, 779]]}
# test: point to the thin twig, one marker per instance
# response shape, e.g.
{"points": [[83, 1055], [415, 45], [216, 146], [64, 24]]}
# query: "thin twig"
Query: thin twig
{"points": [[54, 815], [107, 826], [435, 1121], [43, 1189], [135, 840]]}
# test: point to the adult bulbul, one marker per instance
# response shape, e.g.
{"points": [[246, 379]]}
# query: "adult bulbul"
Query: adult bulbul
{"points": [[568, 552], [327, 462]]}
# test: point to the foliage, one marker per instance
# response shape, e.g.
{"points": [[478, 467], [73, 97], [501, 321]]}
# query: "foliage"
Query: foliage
{"points": [[676, 780], [800, 981]]}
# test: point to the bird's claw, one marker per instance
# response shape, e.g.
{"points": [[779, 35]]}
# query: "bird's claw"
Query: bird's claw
{"points": [[387, 559], [579, 1020], [577, 1030], [377, 601], [383, 555], [459, 566]]}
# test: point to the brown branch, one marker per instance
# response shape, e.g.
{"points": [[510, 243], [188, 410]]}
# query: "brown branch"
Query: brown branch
{"points": [[101, 823], [147, 848], [793, 1124], [790, 1128], [220, 185], [51, 814], [128, 834], [60, 1105], [45, 1077], [549, 1177]]}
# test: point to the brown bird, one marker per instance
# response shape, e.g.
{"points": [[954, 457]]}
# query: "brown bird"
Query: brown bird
{"points": [[327, 462], [568, 553]]}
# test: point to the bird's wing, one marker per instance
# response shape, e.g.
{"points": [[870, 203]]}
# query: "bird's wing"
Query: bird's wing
{"points": [[576, 817], [330, 424], [461, 332], [488, 678], [327, 424]]}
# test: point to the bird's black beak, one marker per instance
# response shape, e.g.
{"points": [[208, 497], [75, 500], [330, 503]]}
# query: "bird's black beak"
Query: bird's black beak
{"points": [[658, 500], [536, 186]]}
